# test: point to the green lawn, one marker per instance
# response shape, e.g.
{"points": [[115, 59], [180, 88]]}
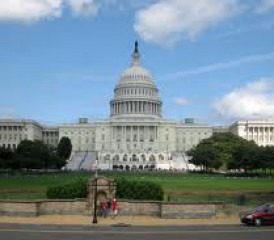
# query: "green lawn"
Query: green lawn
{"points": [[33, 186]]}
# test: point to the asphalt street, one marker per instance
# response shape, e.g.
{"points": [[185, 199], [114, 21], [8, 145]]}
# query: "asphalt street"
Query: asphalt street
{"points": [[120, 232]]}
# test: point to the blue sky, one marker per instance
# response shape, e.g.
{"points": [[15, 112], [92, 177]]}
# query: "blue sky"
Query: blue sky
{"points": [[211, 59]]}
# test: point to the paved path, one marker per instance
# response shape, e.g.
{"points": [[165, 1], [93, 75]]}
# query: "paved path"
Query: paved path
{"points": [[64, 232], [132, 220]]}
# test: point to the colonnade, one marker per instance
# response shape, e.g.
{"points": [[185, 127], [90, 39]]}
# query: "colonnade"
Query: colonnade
{"points": [[263, 133], [134, 133], [133, 107]]}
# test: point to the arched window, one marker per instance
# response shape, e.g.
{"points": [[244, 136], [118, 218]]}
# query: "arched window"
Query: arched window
{"points": [[152, 158], [107, 157], [143, 157], [134, 158], [125, 158]]}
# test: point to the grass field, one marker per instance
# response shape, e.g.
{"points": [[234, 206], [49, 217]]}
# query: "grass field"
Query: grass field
{"points": [[34, 186]]}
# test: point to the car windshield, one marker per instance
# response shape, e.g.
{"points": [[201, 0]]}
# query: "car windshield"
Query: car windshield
{"points": [[262, 207]]}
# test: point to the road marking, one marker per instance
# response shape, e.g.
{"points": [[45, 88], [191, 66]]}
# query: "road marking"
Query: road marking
{"points": [[137, 232]]}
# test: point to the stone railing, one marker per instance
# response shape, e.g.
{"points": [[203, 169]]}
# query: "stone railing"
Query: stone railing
{"points": [[126, 207]]}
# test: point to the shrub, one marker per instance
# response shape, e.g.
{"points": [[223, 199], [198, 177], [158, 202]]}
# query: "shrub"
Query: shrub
{"points": [[77, 189], [141, 190]]}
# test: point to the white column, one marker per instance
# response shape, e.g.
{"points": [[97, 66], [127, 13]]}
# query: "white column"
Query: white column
{"points": [[131, 134], [145, 103], [138, 134]]}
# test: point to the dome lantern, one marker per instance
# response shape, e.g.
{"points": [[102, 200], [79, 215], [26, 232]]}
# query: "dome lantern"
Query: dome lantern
{"points": [[136, 94]]}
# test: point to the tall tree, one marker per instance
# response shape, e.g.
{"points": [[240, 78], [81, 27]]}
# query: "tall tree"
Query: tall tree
{"points": [[245, 157], [64, 148], [218, 151], [205, 156]]}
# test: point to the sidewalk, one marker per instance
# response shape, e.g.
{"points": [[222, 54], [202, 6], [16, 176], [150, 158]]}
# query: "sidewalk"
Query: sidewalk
{"points": [[132, 220]]}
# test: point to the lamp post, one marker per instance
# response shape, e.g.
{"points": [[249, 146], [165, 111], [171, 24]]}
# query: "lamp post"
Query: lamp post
{"points": [[94, 186], [94, 221]]}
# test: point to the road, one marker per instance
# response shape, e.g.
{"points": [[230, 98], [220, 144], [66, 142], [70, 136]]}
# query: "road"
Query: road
{"points": [[47, 232]]}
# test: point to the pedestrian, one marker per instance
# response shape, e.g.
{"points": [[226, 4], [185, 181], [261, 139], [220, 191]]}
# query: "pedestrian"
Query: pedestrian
{"points": [[109, 206], [114, 206], [104, 208]]}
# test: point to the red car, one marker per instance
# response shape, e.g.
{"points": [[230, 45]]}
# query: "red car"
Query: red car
{"points": [[261, 215]]}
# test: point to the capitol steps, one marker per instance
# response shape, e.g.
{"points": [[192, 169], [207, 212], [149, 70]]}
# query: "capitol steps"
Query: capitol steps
{"points": [[75, 161], [181, 161], [89, 161]]}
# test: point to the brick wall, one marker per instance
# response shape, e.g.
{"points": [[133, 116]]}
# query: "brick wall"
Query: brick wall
{"points": [[126, 207], [188, 210], [26, 209]]}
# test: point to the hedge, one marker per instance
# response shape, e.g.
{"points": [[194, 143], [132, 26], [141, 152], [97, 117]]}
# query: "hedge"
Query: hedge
{"points": [[76, 189], [141, 190]]}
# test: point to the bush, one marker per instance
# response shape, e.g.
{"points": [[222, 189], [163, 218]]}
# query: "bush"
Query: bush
{"points": [[141, 190], [77, 189]]}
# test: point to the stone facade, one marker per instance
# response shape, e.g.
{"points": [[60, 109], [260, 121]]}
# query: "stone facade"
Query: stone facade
{"points": [[261, 132], [136, 135], [125, 207]]}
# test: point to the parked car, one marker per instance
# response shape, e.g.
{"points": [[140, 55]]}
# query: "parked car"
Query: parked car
{"points": [[260, 215]]}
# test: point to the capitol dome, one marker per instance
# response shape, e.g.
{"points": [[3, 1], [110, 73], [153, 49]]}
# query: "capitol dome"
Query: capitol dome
{"points": [[136, 74], [136, 93]]}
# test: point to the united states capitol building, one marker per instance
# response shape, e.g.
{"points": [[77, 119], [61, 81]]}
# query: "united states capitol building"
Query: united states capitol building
{"points": [[136, 135]]}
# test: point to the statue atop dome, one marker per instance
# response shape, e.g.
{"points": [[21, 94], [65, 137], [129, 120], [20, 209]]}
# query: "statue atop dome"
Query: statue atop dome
{"points": [[136, 55], [136, 49]]}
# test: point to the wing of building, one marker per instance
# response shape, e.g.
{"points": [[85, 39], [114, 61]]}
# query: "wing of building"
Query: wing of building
{"points": [[135, 136]]}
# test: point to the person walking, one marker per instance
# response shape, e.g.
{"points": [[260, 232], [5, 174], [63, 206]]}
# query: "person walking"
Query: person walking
{"points": [[114, 206], [109, 207], [104, 208]]}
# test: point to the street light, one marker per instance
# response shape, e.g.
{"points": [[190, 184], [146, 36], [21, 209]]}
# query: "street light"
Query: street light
{"points": [[94, 188]]}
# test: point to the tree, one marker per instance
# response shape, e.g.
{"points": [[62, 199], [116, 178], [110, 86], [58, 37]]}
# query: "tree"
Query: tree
{"points": [[219, 150], [7, 158], [33, 154], [64, 148], [245, 157], [205, 156], [266, 156]]}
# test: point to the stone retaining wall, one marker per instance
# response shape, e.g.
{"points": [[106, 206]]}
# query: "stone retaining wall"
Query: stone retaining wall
{"points": [[126, 207], [187, 210]]}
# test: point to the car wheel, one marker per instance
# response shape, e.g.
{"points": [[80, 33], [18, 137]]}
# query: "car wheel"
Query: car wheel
{"points": [[257, 222]]}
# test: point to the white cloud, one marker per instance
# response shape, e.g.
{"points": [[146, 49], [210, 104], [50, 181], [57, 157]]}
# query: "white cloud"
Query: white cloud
{"points": [[254, 100], [29, 10], [7, 112], [265, 6], [168, 21], [181, 101], [84, 8], [224, 65], [35, 10]]}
